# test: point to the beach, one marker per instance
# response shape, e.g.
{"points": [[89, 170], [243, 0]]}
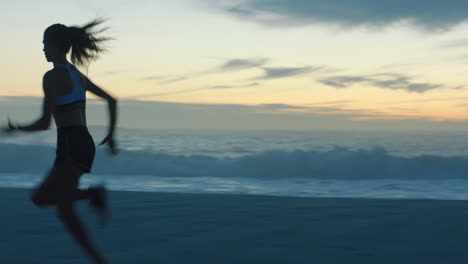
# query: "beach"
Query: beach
{"points": [[235, 132], [225, 228]]}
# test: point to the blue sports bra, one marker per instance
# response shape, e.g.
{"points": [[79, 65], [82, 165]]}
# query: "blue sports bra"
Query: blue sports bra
{"points": [[79, 91]]}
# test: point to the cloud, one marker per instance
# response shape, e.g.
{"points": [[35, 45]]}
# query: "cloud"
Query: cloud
{"points": [[235, 86], [429, 14], [229, 65], [153, 78], [285, 72], [269, 72], [329, 110], [336, 103], [385, 81], [459, 43], [161, 94], [343, 81], [337, 111], [175, 79], [242, 64], [167, 79], [279, 107], [191, 90], [117, 72], [432, 100]]}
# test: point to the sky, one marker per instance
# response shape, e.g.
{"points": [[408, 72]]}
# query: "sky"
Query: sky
{"points": [[261, 64]]}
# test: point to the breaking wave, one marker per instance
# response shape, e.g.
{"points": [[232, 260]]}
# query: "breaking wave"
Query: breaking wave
{"points": [[338, 163]]}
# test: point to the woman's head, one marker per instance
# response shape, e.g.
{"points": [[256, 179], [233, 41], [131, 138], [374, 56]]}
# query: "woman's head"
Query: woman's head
{"points": [[84, 45]]}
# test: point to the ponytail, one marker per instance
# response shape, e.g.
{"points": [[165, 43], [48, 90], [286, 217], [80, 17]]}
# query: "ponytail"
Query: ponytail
{"points": [[84, 43]]}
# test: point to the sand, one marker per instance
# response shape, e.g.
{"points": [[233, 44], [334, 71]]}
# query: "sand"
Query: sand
{"points": [[218, 228]]}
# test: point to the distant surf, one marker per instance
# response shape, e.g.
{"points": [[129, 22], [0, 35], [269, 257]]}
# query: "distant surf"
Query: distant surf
{"points": [[339, 163]]}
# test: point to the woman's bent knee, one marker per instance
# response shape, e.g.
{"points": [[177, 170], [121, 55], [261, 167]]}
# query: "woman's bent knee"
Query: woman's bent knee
{"points": [[40, 201], [37, 201]]}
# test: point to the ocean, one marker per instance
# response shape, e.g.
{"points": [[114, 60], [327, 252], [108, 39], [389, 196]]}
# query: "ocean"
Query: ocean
{"points": [[365, 164]]}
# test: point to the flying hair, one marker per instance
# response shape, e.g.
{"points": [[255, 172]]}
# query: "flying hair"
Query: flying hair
{"points": [[84, 42]]}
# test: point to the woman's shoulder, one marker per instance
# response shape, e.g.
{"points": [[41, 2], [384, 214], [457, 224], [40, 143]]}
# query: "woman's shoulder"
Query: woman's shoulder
{"points": [[59, 78], [57, 73]]}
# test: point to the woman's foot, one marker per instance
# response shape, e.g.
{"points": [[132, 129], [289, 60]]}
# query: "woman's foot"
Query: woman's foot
{"points": [[102, 262], [98, 201]]}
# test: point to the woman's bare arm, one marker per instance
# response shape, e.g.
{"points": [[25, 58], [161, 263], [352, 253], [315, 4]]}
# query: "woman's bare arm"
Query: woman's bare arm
{"points": [[112, 107], [43, 123]]}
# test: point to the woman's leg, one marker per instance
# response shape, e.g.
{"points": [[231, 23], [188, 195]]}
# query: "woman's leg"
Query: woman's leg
{"points": [[66, 213], [61, 188], [61, 181]]}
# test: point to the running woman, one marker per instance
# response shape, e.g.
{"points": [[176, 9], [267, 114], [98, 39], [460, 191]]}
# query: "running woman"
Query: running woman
{"points": [[65, 99]]}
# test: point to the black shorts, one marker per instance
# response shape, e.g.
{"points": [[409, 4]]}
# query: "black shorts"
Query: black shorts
{"points": [[75, 143]]}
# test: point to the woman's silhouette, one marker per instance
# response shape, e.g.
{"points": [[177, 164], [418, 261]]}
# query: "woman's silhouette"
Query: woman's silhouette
{"points": [[64, 88]]}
